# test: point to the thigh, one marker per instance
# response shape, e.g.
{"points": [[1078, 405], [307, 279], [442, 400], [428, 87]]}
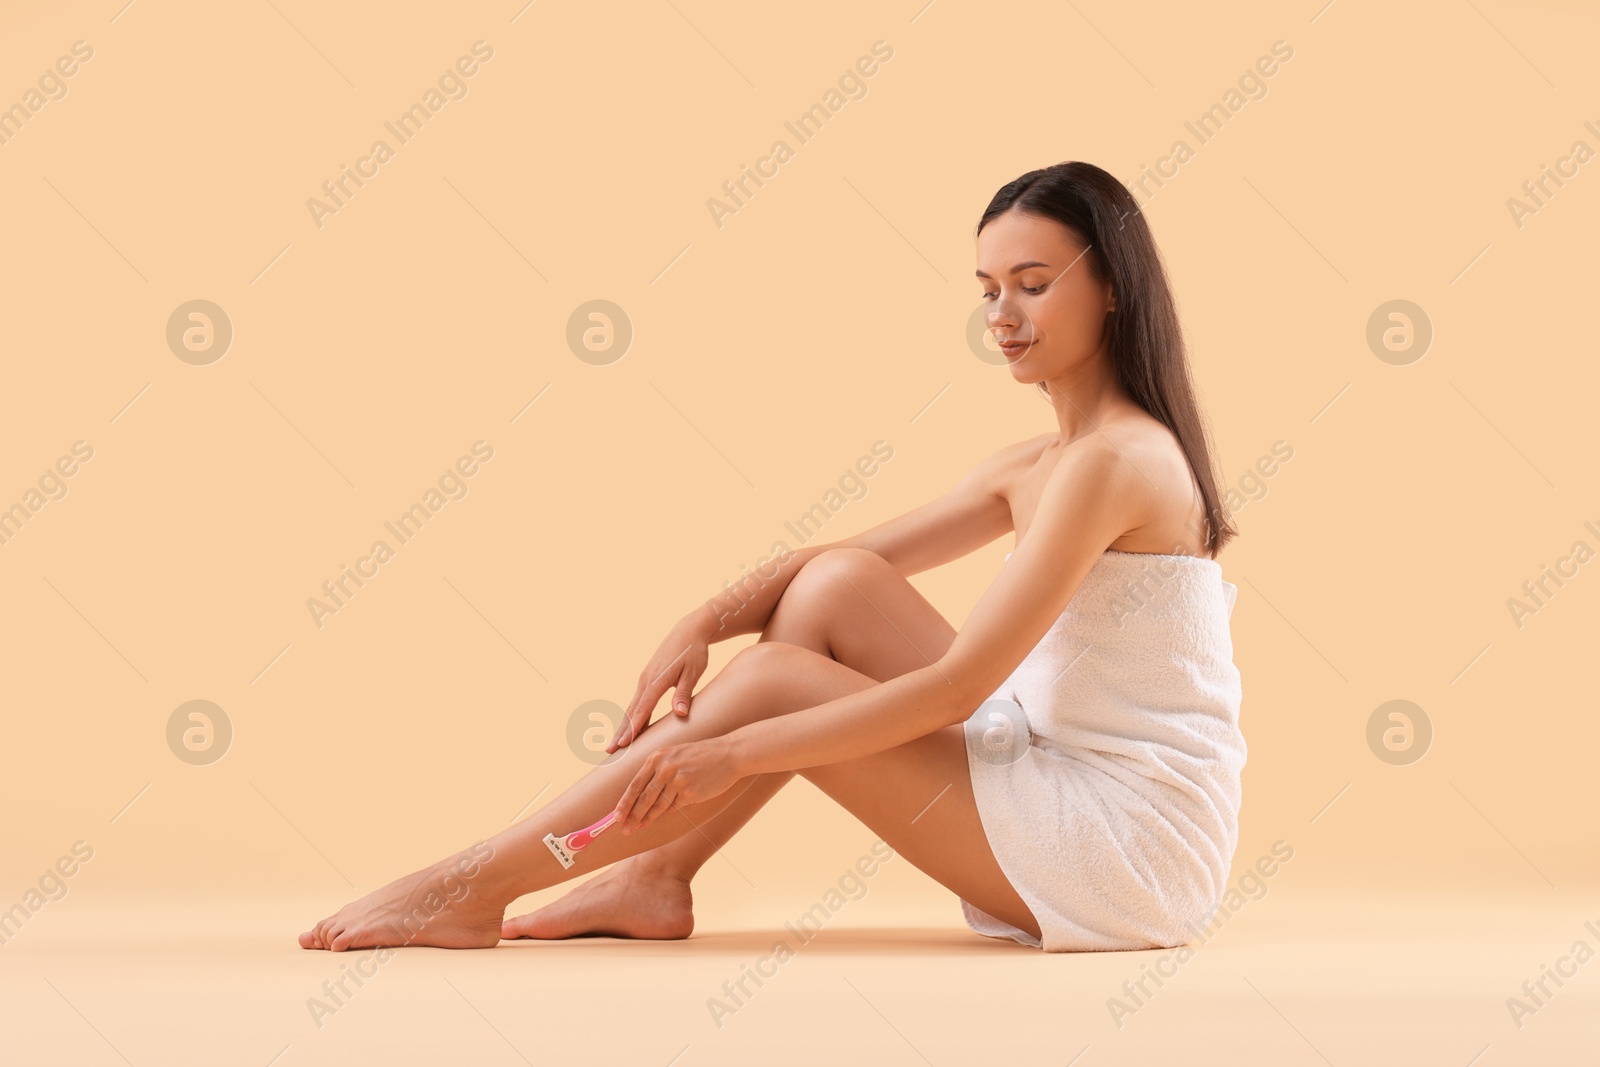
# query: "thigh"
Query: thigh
{"points": [[850, 605], [918, 798]]}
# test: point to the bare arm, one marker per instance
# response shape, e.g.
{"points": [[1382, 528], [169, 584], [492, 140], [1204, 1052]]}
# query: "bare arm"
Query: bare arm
{"points": [[966, 518], [1092, 497]]}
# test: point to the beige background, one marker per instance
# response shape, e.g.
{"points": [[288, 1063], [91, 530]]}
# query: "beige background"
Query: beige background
{"points": [[768, 354]]}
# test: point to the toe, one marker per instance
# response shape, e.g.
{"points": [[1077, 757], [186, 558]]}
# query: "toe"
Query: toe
{"points": [[512, 929], [309, 940]]}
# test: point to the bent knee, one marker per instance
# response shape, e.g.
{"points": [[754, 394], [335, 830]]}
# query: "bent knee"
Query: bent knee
{"points": [[785, 677], [758, 681], [830, 574], [765, 658]]}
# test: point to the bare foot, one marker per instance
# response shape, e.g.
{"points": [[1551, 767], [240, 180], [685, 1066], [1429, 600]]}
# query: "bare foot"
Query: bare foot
{"points": [[626, 899], [438, 906]]}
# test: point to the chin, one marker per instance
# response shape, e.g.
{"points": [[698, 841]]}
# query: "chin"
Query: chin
{"points": [[1023, 375]]}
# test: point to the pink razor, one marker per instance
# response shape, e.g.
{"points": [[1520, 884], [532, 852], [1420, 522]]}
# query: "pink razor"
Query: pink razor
{"points": [[566, 848]]}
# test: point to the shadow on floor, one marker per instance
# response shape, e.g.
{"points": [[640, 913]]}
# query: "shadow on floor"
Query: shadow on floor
{"points": [[892, 941]]}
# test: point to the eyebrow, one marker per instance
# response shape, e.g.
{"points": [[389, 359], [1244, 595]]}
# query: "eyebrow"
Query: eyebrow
{"points": [[1019, 268]]}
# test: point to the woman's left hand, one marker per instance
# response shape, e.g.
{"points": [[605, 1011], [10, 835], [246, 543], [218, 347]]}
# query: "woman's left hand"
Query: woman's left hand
{"points": [[676, 776]]}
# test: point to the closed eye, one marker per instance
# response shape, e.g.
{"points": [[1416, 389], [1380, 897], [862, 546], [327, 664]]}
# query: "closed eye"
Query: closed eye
{"points": [[1025, 289]]}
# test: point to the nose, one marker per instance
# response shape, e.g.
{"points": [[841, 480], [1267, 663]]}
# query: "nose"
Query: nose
{"points": [[1003, 315], [1007, 317]]}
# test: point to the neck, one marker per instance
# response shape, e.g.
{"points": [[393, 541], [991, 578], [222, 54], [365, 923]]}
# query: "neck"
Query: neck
{"points": [[1083, 396]]}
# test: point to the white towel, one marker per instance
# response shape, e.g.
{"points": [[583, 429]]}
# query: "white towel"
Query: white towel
{"points": [[1118, 820]]}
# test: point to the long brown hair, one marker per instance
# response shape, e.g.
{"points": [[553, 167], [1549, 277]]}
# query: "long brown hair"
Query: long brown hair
{"points": [[1143, 336]]}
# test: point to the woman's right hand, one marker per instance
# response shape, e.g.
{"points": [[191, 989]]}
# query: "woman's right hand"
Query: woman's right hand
{"points": [[677, 665]]}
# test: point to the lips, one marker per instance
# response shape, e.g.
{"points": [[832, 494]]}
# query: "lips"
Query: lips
{"points": [[1014, 348]]}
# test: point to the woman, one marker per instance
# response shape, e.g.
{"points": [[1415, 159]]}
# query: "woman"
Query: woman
{"points": [[1097, 808]]}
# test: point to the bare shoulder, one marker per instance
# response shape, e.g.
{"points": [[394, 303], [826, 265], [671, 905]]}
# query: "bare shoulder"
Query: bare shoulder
{"points": [[1026, 452], [1145, 460], [1002, 467], [1144, 443], [1106, 465]]}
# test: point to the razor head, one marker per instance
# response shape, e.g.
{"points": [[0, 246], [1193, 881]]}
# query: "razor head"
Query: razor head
{"points": [[558, 849]]}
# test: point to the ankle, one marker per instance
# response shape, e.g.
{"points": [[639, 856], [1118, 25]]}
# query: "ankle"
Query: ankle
{"points": [[478, 872], [650, 865]]}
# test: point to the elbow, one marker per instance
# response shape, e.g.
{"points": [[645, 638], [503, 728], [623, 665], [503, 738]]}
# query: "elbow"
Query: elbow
{"points": [[959, 695], [959, 715]]}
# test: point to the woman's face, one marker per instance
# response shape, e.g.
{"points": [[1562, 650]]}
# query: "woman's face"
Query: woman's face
{"points": [[1041, 294]]}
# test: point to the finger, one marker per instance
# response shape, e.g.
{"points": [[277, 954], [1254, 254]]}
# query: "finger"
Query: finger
{"points": [[638, 692], [637, 714], [641, 724], [642, 804], [644, 798], [682, 690], [666, 802], [630, 794], [622, 727], [651, 690], [625, 733], [632, 724]]}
